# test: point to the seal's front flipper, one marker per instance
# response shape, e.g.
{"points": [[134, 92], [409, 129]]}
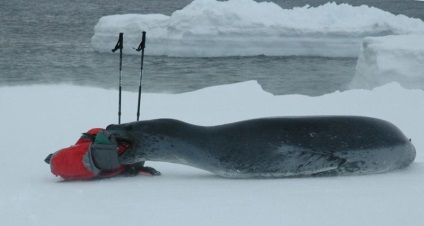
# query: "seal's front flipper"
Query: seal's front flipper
{"points": [[146, 170], [139, 168]]}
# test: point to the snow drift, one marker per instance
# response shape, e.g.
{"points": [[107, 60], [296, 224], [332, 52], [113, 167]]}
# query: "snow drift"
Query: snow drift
{"points": [[397, 58], [244, 27], [38, 120]]}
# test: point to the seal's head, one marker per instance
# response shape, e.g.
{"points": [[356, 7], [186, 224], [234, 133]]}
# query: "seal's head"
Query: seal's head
{"points": [[151, 140], [122, 132], [129, 134]]}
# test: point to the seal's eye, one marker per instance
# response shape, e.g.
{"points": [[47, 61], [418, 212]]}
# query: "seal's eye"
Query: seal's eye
{"points": [[123, 141]]}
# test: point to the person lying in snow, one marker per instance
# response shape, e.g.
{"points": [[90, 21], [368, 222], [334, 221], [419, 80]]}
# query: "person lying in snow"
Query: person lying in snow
{"points": [[94, 155]]}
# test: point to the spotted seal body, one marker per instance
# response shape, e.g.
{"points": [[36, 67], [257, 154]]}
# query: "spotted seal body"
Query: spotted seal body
{"points": [[271, 147]]}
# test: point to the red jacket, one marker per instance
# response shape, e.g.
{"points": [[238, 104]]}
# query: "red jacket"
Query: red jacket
{"points": [[76, 162]]}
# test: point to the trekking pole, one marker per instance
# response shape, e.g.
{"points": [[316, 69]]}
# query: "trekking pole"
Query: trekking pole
{"points": [[141, 47], [120, 46]]}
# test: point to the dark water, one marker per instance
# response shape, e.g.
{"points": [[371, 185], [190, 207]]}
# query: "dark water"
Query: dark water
{"points": [[48, 41]]}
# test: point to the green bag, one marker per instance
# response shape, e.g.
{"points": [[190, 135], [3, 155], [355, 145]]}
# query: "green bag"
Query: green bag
{"points": [[102, 138]]}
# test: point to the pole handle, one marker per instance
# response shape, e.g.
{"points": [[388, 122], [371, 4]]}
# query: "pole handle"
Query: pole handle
{"points": [[142, 43], [120, 43]]}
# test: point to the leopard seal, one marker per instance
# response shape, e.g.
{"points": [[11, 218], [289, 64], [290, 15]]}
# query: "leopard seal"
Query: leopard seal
{"points": [[271, 147]]}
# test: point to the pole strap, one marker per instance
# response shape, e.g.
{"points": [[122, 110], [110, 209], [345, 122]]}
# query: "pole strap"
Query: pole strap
{"points": [[142, 43], [120, 43]]}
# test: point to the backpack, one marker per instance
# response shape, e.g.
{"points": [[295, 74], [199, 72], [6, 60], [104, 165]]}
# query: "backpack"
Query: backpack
{"points": [[95, 154]]}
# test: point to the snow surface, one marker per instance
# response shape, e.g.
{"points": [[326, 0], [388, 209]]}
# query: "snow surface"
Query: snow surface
{"points": [[38, 120], [397, 58], [244, 27]]}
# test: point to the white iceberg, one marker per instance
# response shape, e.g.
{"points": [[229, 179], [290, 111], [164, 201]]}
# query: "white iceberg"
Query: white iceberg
{"points": [[386, 59], [208, 28]]}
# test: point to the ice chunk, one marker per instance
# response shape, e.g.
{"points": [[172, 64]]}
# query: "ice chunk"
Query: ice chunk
{"points": [[397, 58], [244, 27]]}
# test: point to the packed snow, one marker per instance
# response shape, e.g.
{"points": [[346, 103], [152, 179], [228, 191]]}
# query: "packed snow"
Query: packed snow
{"points": [[38, 120], [397, 58], [207, 28]]}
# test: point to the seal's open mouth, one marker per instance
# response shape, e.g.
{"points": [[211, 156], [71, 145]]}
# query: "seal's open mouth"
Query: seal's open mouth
{"points": [[123, 145]]}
